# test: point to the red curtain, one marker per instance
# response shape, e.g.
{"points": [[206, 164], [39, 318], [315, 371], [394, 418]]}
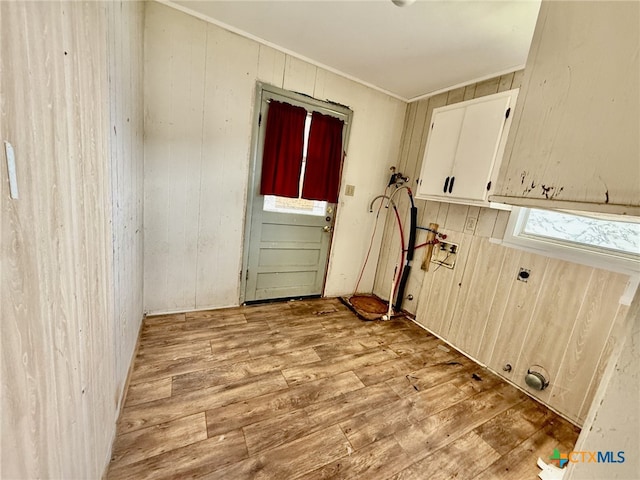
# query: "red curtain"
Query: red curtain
{"points": [[324, 159], [282, 155]]}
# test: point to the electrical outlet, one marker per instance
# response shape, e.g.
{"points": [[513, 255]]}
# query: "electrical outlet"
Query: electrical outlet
{"points": [[350, 190], [470, 225], [444, 254]]}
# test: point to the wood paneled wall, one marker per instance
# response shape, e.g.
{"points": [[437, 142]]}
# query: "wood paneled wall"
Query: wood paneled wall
{"points": [[199, 95], [125, 44], [60, 336], [489, 223], [613, 421], [565, 318]]}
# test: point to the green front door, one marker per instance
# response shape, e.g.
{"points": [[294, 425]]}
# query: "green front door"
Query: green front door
{"points": [[287, 240]]}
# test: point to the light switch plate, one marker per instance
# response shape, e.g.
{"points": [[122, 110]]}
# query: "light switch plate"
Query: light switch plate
{"points": [[350, 190], [470, 224]]}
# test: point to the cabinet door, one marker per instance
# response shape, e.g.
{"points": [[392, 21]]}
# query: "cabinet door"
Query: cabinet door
{"points": [[441, 151], [577, 126], [477, 147]]}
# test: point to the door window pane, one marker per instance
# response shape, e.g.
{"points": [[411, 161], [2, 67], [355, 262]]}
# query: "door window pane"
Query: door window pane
{"points": [[300, 206]]}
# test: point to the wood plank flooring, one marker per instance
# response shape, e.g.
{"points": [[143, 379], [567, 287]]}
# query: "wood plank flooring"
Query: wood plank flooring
{"points": [[305, 389]]}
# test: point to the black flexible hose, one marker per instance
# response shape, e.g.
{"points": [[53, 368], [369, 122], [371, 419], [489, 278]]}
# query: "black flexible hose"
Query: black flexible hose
{"points": [[403, 284], [410, 248], [411, 245]]}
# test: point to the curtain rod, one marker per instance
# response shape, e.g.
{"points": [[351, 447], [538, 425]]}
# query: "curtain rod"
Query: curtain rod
{"points": [[268, 100]]}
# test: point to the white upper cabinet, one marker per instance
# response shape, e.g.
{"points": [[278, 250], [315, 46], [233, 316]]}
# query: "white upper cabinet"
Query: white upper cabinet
{"points": [[465, 145], [574, 142]]}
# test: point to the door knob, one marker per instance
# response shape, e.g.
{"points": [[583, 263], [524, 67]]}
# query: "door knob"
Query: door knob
{"points": [[326, 228]]}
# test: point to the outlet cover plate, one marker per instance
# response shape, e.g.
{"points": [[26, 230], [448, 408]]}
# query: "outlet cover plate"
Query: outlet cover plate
{"points": [[444, 254]]}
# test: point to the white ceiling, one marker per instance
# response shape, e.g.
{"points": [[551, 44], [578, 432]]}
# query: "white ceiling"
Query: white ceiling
{"points": [[409, 51]]}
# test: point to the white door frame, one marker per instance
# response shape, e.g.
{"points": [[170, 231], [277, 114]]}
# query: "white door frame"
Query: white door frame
{"points": [[319, 105]]}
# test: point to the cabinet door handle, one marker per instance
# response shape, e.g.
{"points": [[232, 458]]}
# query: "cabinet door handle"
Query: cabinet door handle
{"points": [[453, 179], [446, 185]]}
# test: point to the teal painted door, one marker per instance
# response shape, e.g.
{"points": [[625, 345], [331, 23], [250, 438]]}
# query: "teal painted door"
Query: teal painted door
{"points": [[288, 239], [287, 251]]}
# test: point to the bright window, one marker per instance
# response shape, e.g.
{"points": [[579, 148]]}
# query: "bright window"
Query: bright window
{"points": [[608, 242], [300, 206]]}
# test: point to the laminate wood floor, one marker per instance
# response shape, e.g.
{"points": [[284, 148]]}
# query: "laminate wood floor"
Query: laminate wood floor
{"points": [[305, 389]]}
